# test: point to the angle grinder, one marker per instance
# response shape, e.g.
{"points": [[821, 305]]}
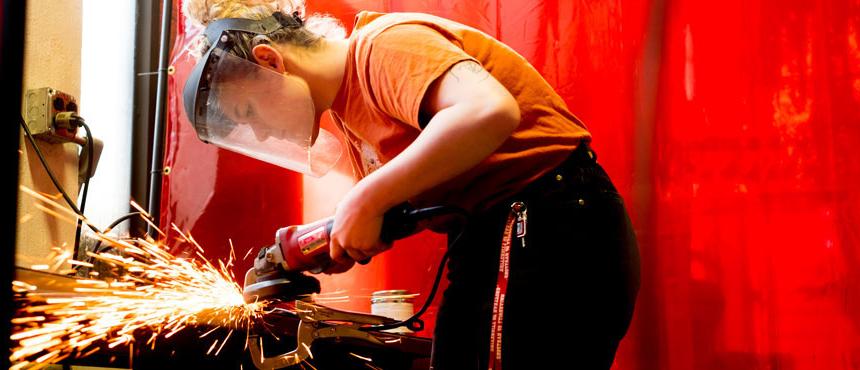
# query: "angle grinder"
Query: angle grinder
{"points": [[277, 271]]}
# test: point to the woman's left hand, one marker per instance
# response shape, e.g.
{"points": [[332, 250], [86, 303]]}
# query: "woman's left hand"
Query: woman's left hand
{"points": [[356, 230]]}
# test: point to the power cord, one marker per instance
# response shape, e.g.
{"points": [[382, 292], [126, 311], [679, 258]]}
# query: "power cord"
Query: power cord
{"points": [[97, 245], [68, 199], [415, 323], [89, 174]]}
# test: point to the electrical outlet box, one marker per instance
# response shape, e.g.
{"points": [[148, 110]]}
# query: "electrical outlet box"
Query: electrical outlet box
{"points": [[42, 106]]}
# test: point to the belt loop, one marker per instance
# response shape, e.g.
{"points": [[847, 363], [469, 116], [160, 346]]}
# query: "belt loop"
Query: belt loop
{"points": [[588, 154]]}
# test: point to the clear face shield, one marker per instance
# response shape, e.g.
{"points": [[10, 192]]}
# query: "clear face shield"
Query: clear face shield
{"points": [[243, 107]]}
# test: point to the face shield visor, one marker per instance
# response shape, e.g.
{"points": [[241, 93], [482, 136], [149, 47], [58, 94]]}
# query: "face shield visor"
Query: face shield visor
{"points": [[243, 107]]}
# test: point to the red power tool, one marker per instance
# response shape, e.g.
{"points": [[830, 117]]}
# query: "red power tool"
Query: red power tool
{"points": [[277, 271]]}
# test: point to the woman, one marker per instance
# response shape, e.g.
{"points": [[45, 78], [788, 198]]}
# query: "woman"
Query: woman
{"points": [[438, 113]]}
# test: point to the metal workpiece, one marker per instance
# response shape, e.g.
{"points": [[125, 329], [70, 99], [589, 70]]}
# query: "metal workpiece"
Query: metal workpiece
{"points": [[319, 322], [312, 327]]}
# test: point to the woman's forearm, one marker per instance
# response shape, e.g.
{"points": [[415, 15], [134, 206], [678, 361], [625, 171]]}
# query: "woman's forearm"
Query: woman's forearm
{"points": [[456, 139]]}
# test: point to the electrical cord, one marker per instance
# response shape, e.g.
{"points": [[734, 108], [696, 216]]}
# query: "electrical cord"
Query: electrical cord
{"points": [[59, 187], [91, 150], [123, 218], [97, 246], [415, 323], [75, 119]]}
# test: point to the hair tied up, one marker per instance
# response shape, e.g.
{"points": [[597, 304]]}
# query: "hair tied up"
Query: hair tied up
{"points": [[298, 18], [260, 40], [289, 21]]}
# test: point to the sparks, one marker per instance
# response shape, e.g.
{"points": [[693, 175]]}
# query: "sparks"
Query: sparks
{"points": [[368, 359], [152, 290]]}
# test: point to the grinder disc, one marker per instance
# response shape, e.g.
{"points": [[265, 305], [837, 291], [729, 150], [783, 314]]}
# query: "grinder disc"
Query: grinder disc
{"points": [[285, 287]]}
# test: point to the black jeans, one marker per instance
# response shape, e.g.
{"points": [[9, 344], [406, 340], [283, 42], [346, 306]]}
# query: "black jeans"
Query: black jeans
{"points": [[571, 289]]}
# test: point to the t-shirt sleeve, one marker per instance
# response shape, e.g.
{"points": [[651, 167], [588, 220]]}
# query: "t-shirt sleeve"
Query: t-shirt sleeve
{"points": [[402, 62]]}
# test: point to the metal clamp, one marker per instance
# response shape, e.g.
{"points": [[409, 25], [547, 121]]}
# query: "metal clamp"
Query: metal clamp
{"points": [[313, 326]]}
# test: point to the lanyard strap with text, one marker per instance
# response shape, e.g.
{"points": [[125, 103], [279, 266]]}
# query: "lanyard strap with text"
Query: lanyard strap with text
{"points": [[516, 217]]}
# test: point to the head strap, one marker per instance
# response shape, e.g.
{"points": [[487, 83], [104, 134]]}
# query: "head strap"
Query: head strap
{"points": [[263, 26]]}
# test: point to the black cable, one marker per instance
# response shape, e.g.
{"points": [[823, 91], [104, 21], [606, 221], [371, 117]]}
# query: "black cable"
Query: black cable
{"points": [[91, 149], [59, 187], [116, 222], [415, 323], [123, 218]]}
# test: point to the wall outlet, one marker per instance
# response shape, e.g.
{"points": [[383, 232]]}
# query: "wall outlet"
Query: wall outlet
{"points": [[42, 106]]}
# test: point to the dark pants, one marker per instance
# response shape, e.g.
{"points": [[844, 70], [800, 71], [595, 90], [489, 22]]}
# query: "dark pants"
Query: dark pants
{"points": [[571, 289]]}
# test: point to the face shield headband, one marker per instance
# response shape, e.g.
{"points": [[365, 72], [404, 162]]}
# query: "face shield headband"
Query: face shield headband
{"points": [[223, 87]]}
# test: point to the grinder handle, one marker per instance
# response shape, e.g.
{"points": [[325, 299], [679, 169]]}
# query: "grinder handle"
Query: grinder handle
{"points": [[397, 223]]}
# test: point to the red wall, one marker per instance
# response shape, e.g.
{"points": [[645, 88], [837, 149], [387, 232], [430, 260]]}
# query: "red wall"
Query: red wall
{"points": [[752, 243], [730, 128]]}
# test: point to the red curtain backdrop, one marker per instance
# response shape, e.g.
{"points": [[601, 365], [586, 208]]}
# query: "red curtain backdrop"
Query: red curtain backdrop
{"points": [[730, 128]]}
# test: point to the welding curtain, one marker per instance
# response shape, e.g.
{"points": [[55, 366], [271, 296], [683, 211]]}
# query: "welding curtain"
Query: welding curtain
{"points": [[731, 128]]}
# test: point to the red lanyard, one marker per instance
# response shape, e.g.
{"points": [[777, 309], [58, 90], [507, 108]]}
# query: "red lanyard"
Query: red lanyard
{"points": [[514, 217]]}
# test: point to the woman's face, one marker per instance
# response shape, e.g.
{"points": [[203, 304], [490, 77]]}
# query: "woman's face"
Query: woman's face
{"points": [[271, 104]]}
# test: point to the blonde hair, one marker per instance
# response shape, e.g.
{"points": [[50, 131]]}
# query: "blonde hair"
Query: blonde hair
{"points": [[201, 12]]}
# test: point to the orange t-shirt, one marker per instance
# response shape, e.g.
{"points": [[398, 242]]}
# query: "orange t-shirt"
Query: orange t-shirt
{"points": [[393, 59]]}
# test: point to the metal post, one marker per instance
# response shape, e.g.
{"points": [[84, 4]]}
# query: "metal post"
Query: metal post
{"points": [[145, 85], [156, 168]]}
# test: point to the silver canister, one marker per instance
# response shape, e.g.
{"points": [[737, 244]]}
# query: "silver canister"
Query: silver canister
{"points": [[395, 304]]}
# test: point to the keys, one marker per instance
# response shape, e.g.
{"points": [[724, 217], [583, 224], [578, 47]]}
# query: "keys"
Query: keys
{"points": [[522, 213]]}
